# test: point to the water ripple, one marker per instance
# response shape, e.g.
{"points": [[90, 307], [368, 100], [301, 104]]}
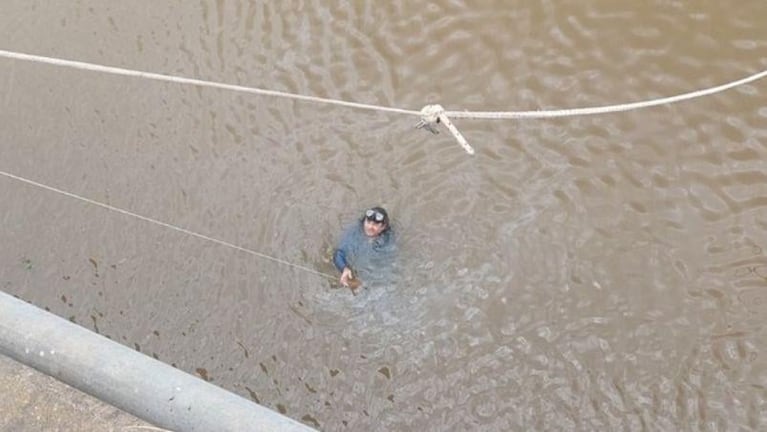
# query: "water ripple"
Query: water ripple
{"points": [[595, 273]]}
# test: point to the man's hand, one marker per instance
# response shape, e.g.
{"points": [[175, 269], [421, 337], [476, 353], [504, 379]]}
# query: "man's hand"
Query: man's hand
{"points": [[346, 276]]}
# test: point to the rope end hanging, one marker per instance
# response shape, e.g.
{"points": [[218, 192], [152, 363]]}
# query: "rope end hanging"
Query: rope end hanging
{"points": [[432, 115]]}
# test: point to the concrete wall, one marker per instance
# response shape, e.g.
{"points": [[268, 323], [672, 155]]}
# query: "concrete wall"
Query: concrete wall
{"points": [[31, 401]]}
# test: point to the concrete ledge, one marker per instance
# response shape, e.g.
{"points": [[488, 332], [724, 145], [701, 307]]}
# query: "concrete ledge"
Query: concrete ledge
{"points": [[120, 376], [31, 401]]}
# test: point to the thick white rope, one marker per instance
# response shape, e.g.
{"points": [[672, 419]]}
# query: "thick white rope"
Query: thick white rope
{"points": [[165, 225], [430, 115], [196, 82], [498, 115]]}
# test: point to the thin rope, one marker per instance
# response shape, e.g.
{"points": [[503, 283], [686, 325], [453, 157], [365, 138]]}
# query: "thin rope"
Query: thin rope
{"points": [[197, 82], [499, 115], [165, 225]]}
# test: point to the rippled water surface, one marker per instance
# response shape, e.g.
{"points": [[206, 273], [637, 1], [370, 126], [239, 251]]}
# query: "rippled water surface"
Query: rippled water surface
{"points": [[590, 273]]}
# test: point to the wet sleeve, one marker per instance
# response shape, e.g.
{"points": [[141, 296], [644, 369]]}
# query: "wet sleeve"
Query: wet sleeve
{"points": [[339, 259], [340, 255]]}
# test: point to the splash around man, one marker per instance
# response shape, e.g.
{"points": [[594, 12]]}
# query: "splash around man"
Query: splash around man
{"points": [[366, 245]]}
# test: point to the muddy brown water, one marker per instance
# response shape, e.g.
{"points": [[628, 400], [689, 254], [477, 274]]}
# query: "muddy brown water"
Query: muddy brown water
{"points": [[591, 273]]}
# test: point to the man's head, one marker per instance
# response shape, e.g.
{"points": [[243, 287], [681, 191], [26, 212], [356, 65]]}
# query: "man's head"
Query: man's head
{"points": [[375, 221]]}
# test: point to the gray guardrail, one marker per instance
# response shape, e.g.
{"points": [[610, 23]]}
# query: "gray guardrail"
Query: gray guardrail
{"points": [[138, 384]]}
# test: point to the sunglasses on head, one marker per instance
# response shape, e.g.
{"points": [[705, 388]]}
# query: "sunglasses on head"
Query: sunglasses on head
{"points": [[374, 216]]}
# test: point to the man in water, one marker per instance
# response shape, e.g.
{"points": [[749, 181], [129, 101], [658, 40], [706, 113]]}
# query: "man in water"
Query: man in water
{"points": [[366, 246]]}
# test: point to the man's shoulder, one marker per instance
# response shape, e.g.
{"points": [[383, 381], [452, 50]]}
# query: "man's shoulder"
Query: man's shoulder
{"points": [[387, 238]]}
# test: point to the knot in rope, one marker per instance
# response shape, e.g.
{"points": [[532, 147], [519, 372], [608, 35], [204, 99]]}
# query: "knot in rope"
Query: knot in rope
{"points": [[430, 118], [432, 115]]}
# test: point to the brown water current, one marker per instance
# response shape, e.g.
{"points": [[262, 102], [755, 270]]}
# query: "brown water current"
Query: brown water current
{"points": [[593, 273]]}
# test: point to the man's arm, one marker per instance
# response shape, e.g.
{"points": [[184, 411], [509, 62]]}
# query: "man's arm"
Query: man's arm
{"points": [[341, 255], [339, 259]]}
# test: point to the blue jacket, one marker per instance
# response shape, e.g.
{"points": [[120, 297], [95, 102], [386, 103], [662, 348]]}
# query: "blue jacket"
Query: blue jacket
{"points": [[357, 249]]}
